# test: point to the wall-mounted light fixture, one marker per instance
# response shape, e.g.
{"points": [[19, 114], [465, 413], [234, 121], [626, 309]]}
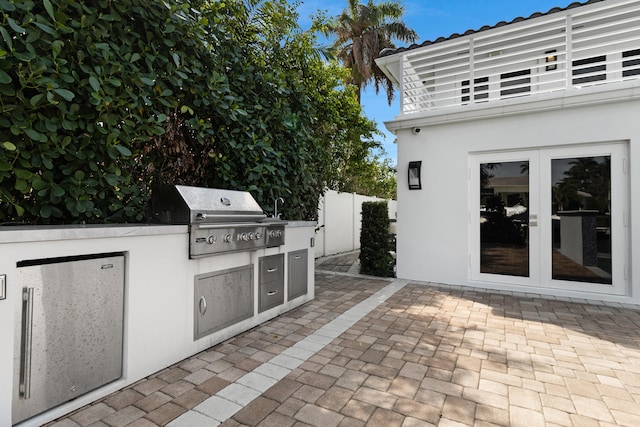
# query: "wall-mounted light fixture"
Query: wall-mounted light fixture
{"points": [[414, 175], [551, 58]]}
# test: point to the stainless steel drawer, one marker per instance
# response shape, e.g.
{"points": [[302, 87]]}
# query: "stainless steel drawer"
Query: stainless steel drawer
{"points": [[271, 282], [271, 295], [272, 268]]}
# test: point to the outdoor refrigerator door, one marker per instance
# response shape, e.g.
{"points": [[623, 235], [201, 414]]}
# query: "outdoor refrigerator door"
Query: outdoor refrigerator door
{"points": [[70, 340]]}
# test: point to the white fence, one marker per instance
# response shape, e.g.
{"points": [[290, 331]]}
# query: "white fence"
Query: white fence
{"points": [[339, 222]]}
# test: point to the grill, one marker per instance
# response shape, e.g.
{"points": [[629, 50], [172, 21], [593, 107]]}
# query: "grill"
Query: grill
{"points": [[220, 221]]}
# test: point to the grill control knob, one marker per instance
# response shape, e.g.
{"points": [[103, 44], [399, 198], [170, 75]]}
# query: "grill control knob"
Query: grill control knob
{"points": [[258, 236], [252, 236], [211, 240], [244, 237], [227, 238], [275, 233]]}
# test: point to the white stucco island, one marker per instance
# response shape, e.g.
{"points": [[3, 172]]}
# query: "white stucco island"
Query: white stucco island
{"points": [[160, 308]]}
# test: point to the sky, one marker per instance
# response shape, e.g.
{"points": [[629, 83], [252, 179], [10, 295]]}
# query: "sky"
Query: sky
{"points": [[430, 19]]}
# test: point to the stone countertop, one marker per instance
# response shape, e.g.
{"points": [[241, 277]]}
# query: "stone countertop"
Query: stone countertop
{"points": [[31, 233]]}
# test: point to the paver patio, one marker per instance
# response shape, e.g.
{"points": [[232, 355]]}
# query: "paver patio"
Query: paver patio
{"points": [[426, 356]]}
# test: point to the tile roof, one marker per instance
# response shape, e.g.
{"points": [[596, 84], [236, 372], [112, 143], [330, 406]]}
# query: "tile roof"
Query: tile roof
{"points": [[388, 51]]}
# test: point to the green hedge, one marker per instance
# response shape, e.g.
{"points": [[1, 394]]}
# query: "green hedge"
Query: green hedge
{"points": [[83, 86], [100, 99], [376, 244]]}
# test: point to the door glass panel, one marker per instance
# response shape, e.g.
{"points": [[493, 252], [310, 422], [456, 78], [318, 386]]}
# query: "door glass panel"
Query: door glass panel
{"points": [[581, 219], [504, 218]]}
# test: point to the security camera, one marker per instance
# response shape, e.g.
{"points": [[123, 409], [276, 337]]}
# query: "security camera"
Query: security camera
{"points": [[416, 130]]}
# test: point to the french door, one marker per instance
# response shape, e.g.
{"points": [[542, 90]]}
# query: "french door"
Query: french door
{"points": [[551, 218]]}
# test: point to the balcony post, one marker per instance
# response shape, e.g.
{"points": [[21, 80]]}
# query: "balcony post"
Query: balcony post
{"points": [[472, 82], [569, 52], [402, 83]]}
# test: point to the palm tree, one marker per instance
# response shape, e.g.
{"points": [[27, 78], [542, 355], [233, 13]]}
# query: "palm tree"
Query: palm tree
{"points": [[363, 31]]}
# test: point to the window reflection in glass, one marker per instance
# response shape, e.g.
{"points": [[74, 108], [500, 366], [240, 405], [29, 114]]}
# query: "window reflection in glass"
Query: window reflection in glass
{"points": [[581, 219], [504, 218]]}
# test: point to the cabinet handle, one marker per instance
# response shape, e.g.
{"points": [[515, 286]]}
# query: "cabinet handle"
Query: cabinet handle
{"points": [[27, 342], [271, 270], [297, 257], [202, 305], [271, 293]]}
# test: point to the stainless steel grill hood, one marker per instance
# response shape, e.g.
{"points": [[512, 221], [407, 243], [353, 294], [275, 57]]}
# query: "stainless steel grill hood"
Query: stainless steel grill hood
{"points": [[220, 221], [181, 204]]}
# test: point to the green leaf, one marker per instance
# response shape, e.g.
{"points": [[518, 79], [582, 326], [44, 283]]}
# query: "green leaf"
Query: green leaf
{"points": [[47, 29], [147, 81], [22, 173], [25, 56], [45, 211], [57, 191], [56, 47], [7, 38], [7, 145], [36, 99], [21, 185], [123, 150], [176, 59], [19, 210], [38, 184], [95, 84], [15, 27], [35, 135], [67, 95], [111, 179], [7, 5], [4, 77], [184, 109], [49, 8]]}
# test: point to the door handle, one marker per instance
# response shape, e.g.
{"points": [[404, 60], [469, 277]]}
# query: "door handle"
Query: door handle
{"points": [[27, 342], [202, 305], [271, 270], [271, 293]]}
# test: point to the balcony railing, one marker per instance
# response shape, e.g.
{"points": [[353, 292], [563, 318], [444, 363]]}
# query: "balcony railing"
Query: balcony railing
{"points": [[585, 46]]}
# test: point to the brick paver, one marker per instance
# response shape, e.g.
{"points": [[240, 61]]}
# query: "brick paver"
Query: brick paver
{"points": [[428, 355]]}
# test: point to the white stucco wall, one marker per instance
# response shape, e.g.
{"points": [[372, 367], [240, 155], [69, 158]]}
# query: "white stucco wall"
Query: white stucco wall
{"points": [[340, 221], [434, 223]]}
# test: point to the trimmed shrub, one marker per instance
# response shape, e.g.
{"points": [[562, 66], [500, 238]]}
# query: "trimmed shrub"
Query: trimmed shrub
{"points": [[375, 240]]}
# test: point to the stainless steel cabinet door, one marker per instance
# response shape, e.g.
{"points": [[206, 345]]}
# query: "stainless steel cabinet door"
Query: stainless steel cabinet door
{"points": [[221, 299], [298, 261], [71, 331]]}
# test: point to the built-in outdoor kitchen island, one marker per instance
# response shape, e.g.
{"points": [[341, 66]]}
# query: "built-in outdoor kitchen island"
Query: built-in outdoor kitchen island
{"points": [[87, 310]]}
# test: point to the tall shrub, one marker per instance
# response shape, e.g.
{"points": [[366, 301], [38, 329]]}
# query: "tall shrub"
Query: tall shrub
{"points": [[375, 240], [84, 85]]}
